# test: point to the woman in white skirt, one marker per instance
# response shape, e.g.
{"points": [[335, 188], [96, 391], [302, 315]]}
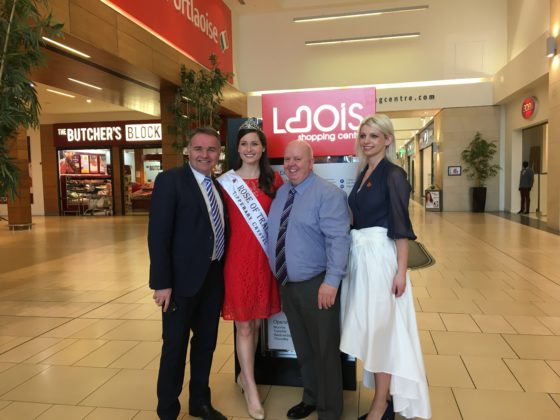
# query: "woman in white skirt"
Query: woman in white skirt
{"points": [[378, 318]]}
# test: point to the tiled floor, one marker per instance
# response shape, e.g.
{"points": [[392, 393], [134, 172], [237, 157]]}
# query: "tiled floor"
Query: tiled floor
{"points": [[80, 335]]}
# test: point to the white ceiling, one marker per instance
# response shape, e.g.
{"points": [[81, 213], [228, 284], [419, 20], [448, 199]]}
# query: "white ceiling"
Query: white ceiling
{"points": [[60, 109]]}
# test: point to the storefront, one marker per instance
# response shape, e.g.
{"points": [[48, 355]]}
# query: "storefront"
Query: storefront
{"points": [[87, 155], [410, 151], [426, 157]]}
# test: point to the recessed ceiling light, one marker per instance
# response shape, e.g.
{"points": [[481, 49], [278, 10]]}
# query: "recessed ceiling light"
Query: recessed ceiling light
{"points": [[85, 84], [359, 14], [65, 47], [60, 93], [89, 101], [361, 39]]}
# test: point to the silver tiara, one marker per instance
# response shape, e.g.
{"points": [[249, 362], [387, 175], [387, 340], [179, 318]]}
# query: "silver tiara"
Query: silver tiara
{"points": [[251, 124]]}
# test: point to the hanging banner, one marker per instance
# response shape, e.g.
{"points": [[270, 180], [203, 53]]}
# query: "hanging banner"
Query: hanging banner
{"points": [[327, 119], [196, 28]]}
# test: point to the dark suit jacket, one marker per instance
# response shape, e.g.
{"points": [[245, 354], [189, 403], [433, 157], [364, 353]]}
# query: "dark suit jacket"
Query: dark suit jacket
{"points": [[180, 235]]}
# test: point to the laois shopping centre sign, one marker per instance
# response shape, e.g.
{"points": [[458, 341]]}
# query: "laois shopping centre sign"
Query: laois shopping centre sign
{"points": [[197, 28], [327, 119]]}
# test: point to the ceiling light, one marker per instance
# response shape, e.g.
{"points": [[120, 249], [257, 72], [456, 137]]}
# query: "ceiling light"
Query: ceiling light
{"points": [[60, 93], [551, 46], [362, 39], [65, 47], [89, 101], [359, 14], [427, 83], [84, 84]]}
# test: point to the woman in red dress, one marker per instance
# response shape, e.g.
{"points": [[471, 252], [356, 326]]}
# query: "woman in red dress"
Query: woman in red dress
{"points": [[251, 291]]}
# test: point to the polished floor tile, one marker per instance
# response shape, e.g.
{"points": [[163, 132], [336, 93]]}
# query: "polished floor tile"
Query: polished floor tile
{"points": [[448, 371], [23, 411], [65, 412], [61, 385], [459, 322], [471, 344], [493, 324], [505, 405], [88, 346], [491, 373], [534, 375], [534, 347]]}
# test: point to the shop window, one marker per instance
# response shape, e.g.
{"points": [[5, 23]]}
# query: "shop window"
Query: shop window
{"points": [[141, 166]]}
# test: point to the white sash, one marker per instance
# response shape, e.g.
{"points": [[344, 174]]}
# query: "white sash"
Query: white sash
{"points": [[247, 204]]}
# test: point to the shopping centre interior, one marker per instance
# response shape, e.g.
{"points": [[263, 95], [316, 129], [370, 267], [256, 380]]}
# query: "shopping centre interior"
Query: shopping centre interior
{"points": [[80, 336]]}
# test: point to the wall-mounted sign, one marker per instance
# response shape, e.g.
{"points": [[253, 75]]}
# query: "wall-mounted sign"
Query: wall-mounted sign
{"points": [[410, 147], [197, 28], [327, 119], [426, 137], [529, 107], [98, 134]]}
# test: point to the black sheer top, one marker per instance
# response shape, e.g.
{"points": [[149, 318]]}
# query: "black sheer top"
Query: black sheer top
{"points": [[383, 201]]}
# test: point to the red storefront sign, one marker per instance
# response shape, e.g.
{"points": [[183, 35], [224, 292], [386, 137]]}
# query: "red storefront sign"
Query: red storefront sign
{"points": [[327, 119], [529, 107], [104, 134], [197, 28]]}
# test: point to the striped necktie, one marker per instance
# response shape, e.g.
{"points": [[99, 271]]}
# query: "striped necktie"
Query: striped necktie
{"points": [[281, 269], [219, 240]]}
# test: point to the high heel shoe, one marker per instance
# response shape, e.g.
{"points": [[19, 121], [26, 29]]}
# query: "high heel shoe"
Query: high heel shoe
{"points": [[257, 414], [389, 413]]}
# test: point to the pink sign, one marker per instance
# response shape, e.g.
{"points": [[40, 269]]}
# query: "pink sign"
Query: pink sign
{"points": [[197, 28], [327, 119]]}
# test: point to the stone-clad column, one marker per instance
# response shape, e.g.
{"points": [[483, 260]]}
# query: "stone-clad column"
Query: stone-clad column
{"points": [[19, 210], [553, 191]]}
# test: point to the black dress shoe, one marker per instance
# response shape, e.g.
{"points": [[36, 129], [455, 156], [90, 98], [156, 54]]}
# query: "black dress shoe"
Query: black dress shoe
{"points": [[206, 412], [300, 411]]}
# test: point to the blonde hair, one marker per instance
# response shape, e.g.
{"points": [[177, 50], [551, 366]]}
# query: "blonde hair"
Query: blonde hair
{"points": [[384, 124]]}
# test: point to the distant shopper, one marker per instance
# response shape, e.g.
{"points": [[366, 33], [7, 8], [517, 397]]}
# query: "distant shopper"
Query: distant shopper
{"points": [[378, 318], [526, 179]]}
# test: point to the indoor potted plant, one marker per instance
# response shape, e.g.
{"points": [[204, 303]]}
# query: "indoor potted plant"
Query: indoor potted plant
{"points": [[198, 99], [478, 157], [21, 27]]}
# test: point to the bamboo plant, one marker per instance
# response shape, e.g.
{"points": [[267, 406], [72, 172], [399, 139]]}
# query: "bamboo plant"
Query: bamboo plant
{"points": [[21, 27]]}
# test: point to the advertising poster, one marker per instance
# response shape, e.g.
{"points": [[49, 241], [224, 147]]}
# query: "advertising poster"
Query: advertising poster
{"points": [[84, 164], [93, 167], [432, 200]]}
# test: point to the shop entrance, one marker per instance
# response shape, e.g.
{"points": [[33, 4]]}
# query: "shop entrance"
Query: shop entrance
{"points": [[141, 166], [85, 183], [535, 151]]}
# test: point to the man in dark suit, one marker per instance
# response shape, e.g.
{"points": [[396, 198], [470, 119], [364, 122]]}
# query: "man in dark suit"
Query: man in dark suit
{"points": [[186, 241], [526, 179]]}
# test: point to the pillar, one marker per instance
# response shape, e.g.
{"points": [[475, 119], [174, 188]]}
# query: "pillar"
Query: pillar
{"points": [[19, 209], [553, 190]]}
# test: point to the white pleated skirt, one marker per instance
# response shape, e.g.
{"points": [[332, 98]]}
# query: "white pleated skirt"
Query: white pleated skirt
{"points": [[379, 328]]}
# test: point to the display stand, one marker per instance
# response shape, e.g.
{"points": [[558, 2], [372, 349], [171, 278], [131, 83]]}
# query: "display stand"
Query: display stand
{"points": [[273, 367]]}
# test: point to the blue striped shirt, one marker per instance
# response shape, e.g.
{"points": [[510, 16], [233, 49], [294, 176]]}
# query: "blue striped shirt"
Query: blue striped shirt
{"points": [[318, 238]]}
